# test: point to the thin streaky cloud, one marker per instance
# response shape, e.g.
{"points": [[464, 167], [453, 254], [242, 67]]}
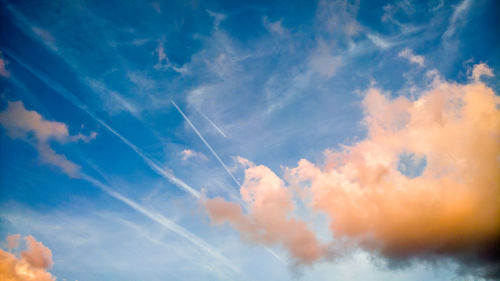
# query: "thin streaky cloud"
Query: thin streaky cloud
{"points": [[76, 102], [206, 143], [162, 220], [274, 254], [212, 123]]}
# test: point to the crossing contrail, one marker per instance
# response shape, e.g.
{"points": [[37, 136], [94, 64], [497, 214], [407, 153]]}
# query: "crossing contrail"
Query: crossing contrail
{"points": [[206, 143], [162, 220], [60, 90], [212, 123], [73, 99], [275, 255]]}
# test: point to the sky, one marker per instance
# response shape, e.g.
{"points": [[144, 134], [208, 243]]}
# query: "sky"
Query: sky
{"points": [[249, 140]]}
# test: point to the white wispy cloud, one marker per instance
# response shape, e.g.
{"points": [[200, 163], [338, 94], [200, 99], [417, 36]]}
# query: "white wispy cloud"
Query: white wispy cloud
{"points": [[218, 18], [479, 70], [408, 54], [212, 123], [189, 153], [379, 41], [114, 101], [457, 18], [323, 61], [206, 144], [274, 27]]}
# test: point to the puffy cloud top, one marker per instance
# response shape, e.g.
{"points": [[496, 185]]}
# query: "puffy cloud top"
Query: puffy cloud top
{"points": [[32, 265]]}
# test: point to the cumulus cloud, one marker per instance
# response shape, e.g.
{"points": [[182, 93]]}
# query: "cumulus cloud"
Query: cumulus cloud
{"points": [[31, 265], [411, 57], [3, 67], [451, 209], [268, 220], [32, 127]]}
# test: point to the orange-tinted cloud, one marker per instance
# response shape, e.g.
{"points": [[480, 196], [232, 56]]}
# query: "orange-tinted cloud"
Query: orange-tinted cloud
{"points": [[32, 265], [451, 209]]}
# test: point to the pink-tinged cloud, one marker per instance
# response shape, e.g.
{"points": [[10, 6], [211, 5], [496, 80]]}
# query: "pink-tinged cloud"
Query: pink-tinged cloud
{"points": [[33, 128], [269, 215], [188, 154], [19, 122], [3, 67], [13, 241], [481, 70], [451, 209], [31, 265]]}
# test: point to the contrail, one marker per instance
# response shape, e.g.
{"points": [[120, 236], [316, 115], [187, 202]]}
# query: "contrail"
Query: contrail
{"points": [[206, 143], [60, 90], [280, 259], [212, 123], [76, 102], [162, 220]]}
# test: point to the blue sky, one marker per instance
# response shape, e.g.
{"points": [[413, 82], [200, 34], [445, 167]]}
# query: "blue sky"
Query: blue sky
{"points": [[147, 106]]}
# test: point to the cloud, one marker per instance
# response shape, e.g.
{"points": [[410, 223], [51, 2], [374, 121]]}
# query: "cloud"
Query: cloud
{"points": [[338, 15], [164, 62], [323, 62], [218, 18], [457, 18], [274, 27], [267, 221], [32, 127], [411, 57], [46, 37], [3, 66], [452, 209], [13, 241], [480, 70], [188, 153], [32, 265], [113, 101], [379, 41]]}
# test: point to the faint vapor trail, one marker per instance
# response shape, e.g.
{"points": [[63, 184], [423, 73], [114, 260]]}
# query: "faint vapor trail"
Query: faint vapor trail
{"points": [[206, 143], [60, 90], [160, 219], [280, 259], [212, 123]]}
